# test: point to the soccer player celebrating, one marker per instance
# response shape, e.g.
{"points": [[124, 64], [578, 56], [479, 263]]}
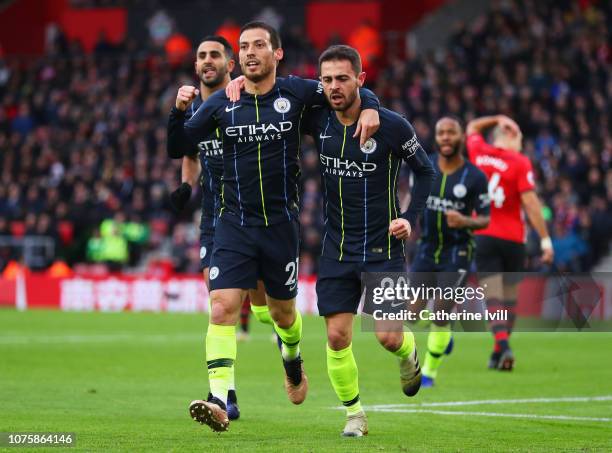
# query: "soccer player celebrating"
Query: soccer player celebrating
{"points": [[213, 66], [257, 229], [501, 246], [364, 231], [446, 244]]}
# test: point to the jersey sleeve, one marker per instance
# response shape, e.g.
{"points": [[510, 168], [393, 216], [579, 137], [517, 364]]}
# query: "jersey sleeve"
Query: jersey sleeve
{"points": [[177, 143], [476, 144], [406, 145], [525, 175], [311, 91], [482, 201], [203, 122], [368, 99]]}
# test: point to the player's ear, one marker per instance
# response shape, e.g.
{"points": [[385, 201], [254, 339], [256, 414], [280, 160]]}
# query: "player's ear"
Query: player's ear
{"points": [[361, 78], [231, 64], [278, 54]]}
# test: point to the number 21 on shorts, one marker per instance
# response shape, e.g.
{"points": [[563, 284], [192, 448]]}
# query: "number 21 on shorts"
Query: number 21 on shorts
{"points": [[292, 269]]}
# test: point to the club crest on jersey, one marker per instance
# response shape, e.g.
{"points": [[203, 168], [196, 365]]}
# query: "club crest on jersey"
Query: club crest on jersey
{"points": [[202, 252], [282, 105], [459, 190], [369, 146]]}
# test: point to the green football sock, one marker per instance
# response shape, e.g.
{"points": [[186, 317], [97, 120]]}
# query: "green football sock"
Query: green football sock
{"points": [[291, 337], [343, 374], [407, 346], [437, 341], [262, 313], [220, 356]]}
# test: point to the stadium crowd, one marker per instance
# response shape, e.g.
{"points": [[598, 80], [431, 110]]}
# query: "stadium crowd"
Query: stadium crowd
{"points": [[82, 136]]}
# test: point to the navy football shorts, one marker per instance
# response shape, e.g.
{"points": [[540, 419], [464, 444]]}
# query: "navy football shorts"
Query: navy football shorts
{"points": [[495, 255], [242, 255], [207, 235], [339, 282]]}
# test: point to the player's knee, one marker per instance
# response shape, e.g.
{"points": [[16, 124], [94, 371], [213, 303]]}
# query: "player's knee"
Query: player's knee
{"points": [[283, 316], [391, 341], [221, 311], [338, 339]]}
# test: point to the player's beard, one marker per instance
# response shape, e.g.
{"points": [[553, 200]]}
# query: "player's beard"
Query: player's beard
{"points": [[457, 147], [347, 104], [216, 81], [266, 70]]}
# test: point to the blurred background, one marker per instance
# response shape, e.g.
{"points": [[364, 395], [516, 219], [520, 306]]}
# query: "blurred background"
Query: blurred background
{"points": [[86, 87]]}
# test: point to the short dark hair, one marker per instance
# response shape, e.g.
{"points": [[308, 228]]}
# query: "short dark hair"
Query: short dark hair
{"points": [[452, 117], [342, 52], [275, 39], [227, 47]]}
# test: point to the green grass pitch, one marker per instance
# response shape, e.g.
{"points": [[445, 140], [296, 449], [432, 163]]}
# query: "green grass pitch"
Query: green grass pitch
{"points": [[122, 382]]}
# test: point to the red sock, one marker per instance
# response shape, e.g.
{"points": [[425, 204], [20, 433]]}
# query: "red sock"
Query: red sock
{"points": [[501, 341]]}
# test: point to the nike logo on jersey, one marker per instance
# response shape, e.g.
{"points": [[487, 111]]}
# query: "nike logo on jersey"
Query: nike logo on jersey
{"points": [[230, 109], [323, 137]]}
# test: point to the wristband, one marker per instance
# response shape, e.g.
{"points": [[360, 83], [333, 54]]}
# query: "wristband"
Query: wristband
{"points": [[546, 243]]}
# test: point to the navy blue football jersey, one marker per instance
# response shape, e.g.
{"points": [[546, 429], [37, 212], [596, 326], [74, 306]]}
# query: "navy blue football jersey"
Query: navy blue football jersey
{"points": [[260, 135], [465, 191], [360, 184]]}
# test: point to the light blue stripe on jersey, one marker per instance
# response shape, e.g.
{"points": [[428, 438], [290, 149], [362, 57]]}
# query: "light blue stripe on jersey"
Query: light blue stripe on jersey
{"points": [[325, 186], [285, 166], [464, 174], [236, 170]]}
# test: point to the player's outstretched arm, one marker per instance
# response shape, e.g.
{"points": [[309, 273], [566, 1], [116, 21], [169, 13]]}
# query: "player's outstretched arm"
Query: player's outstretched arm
{"points": [[369, 119], [533, 208], [312, 93]]}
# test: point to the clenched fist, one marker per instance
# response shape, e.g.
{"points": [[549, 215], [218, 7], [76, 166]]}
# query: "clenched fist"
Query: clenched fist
{"points": [[185, 96], [400, 228]]}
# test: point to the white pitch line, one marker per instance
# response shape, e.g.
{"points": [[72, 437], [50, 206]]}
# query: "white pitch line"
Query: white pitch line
{"points": [[571, 399], [417, 408], [497, 414]]}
